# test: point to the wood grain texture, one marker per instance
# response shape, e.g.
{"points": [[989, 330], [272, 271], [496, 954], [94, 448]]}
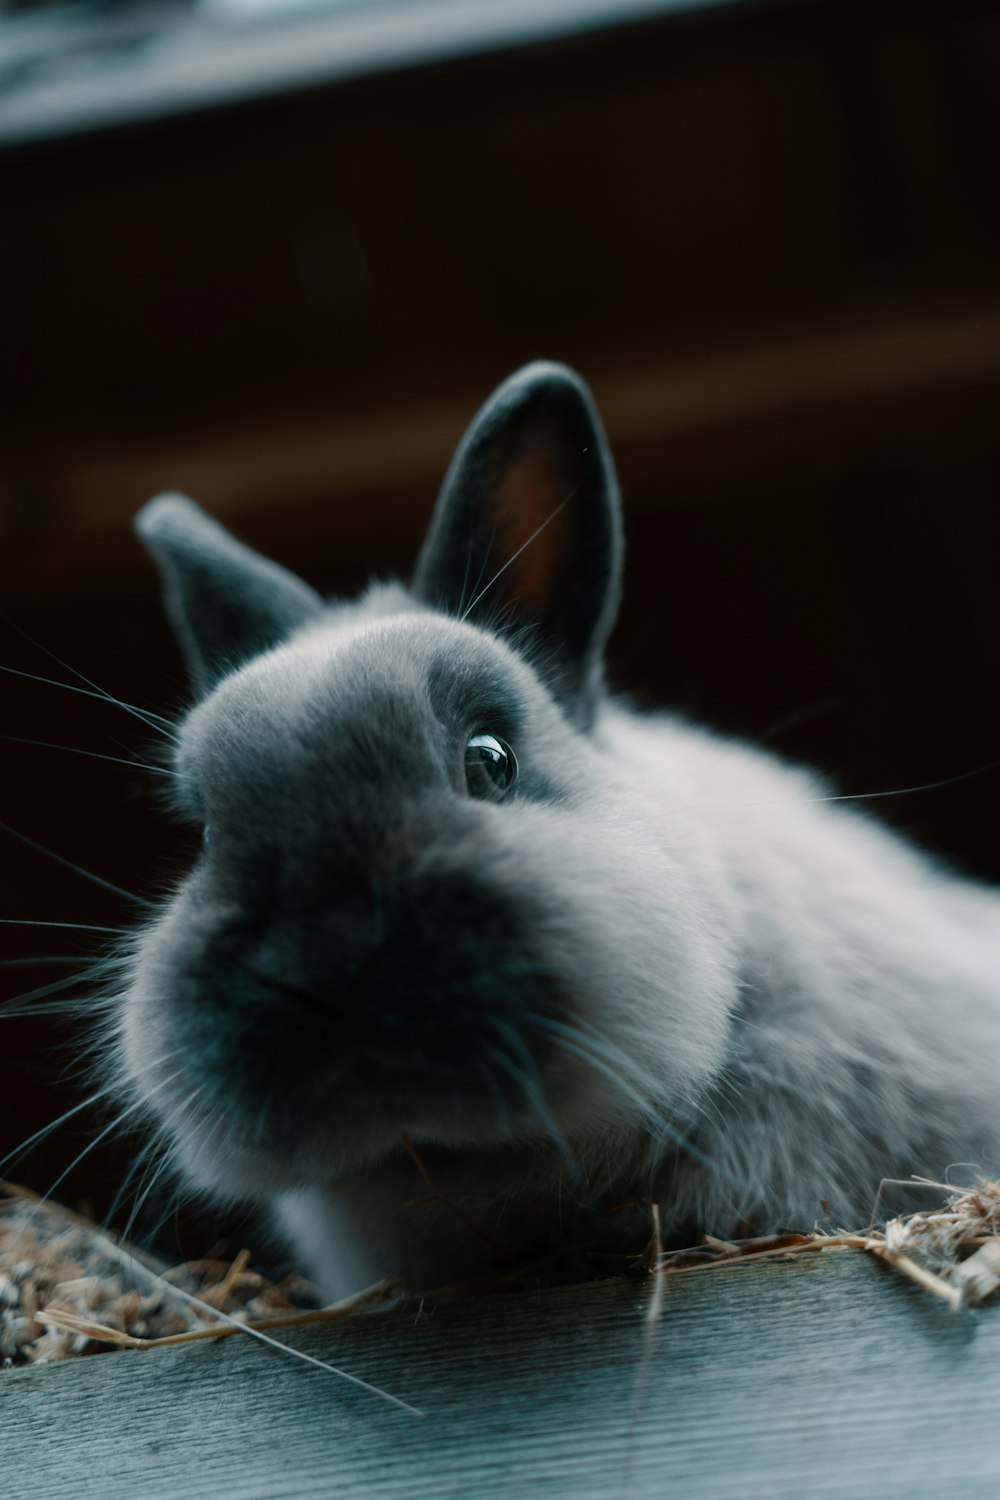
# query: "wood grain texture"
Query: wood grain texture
{"points": [[826, 1376]]}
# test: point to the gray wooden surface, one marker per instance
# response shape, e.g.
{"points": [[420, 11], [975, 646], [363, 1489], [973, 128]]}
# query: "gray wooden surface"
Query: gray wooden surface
{"points": [[827, 1376]]}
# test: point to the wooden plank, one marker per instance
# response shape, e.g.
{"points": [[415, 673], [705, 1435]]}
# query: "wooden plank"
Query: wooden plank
{"points": [[826, 1376]]}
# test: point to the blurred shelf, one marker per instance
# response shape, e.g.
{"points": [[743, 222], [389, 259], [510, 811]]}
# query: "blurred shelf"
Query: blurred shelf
{"points": [[365, 465], [88, 67]]}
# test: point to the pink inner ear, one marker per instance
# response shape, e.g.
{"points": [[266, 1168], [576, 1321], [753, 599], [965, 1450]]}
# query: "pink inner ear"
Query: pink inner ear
{"points": [[530, 491]]}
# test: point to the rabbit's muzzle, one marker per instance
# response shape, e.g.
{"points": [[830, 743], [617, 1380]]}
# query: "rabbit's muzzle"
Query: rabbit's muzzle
{"points": [[419, 1001]]}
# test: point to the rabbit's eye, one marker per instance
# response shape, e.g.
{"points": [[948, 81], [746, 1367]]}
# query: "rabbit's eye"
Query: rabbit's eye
{"points": [[490, 767], [206, 836]]}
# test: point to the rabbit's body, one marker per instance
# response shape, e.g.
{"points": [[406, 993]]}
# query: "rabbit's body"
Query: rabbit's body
{"points": [[641, 962], [863, 1025]]}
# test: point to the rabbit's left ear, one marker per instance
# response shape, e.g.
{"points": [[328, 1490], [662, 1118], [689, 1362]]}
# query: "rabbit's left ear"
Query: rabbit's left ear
{"points": [[527, 530]]}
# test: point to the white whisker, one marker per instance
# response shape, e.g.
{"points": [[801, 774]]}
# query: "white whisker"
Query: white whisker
{"points": [[152, 721], [513, 558], [77, 869], [116, 760]]}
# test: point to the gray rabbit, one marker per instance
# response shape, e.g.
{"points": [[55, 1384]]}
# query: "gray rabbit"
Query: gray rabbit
{"points": [[459, 910]]}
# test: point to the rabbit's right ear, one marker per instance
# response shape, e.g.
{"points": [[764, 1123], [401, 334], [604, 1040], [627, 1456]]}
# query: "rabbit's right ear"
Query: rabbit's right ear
{"points": [[226, 602], [527, 530]]}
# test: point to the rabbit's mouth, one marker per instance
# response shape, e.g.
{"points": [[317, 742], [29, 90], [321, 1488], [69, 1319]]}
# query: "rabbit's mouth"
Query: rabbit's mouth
{"points": [[282, 1131]]}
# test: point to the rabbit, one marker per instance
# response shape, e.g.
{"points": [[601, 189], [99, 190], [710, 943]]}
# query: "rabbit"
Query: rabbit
{"points": [[478, 961]]}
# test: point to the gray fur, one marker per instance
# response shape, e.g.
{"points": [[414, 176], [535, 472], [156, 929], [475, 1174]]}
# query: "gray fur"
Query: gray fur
{"points": [[666, 966]]}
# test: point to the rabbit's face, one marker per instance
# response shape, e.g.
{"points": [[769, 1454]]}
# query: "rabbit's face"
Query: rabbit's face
{"points": [[428, 909], [421, 911]]}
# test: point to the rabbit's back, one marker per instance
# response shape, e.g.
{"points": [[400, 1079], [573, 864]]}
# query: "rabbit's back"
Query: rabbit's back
{"points": [[866, 1037]]}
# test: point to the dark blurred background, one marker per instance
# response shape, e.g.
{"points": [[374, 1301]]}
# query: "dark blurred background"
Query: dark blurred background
{"points": [[767, 234]]}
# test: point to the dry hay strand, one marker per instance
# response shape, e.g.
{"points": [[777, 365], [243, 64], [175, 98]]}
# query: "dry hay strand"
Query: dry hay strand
{"points": [[69, 1289], [953, 1252]]}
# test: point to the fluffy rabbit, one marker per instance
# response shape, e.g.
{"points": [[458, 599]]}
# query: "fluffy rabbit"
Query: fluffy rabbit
{"points": [[453, 896]]}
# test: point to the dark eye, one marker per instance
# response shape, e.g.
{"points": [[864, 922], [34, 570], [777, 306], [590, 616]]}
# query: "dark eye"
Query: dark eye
{"points": [[490, 767]]}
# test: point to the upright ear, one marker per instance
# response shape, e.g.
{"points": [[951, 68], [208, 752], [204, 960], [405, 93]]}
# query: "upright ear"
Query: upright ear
{"points": [[225, 602], [527, 529]]}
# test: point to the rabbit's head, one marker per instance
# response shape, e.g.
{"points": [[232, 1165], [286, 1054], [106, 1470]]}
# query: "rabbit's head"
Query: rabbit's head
{"points": [[428, 906]]}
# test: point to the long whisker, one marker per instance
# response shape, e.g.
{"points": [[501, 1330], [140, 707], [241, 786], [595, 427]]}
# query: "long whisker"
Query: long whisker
{"points": [[152, 721], [153, 1173], [72, 926], [465, 578], [43, 958], [134, 1235], [601, 1045], [77, 869], [792, 721], [528, 1078], [175, 1201], [513, 558], [139, 1165], [42, 993], [105, 1092], [266, 1338], [152, 1181], [146, 715], [899, 791], [116, 1124], [73, 1006], [577, 1043], [46, 1130], [126, 1257], [117, 760], [479, 576], [745, 1069], [907, 791]]}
